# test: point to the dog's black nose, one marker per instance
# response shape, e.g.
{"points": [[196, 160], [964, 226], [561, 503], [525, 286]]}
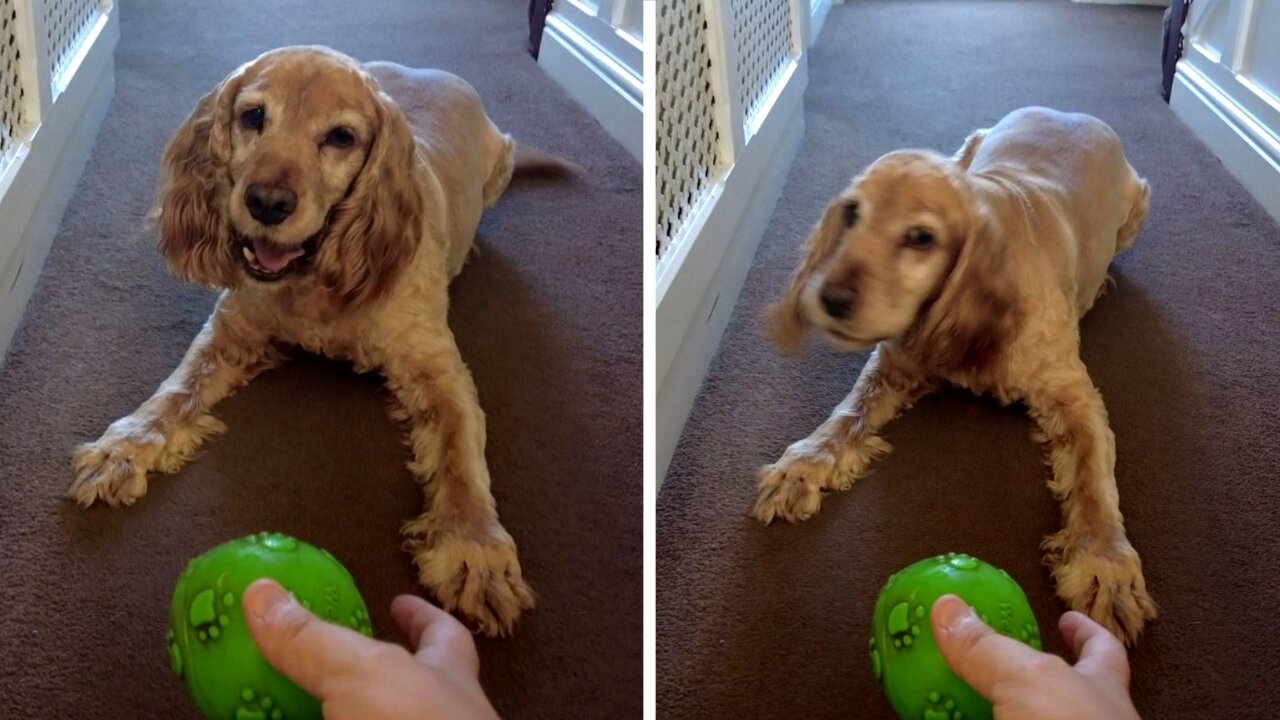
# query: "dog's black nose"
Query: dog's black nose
{"points": [[837, 300], [268, 204]]}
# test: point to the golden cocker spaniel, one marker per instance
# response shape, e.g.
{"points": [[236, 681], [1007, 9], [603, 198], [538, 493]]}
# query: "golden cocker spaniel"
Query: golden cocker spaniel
{"points": [[333, 220], [975, 270]]}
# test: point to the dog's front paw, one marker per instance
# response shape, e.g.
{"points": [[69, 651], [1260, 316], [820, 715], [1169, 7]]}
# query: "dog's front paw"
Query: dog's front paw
{"points": [[114, 468], [477, 576], [792, 487], [1107, 585]]}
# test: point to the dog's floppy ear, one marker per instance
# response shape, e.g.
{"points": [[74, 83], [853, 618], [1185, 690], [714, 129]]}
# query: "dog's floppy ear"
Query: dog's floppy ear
{"points": [[194, 236], [785, 318], [375, 229], [976, 312]]}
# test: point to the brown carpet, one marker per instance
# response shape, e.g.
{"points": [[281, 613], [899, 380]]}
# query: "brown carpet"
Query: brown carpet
{"points": [[548, 318], [757, 622]]}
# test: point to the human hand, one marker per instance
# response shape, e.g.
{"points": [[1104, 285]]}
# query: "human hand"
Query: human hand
{"points": [[1025, 684], [358, 678]]}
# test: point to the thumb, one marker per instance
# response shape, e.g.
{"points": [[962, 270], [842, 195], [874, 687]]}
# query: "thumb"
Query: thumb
{"points": [[979, 655], [308, 650]]}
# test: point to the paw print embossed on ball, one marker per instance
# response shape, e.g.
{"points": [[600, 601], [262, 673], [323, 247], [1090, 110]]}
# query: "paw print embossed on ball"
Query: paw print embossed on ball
{"points": [[904, 655], [209, 645]]}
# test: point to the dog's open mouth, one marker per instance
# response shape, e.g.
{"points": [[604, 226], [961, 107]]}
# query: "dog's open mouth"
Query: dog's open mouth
{"points": [[268, 261], [851, 339]]}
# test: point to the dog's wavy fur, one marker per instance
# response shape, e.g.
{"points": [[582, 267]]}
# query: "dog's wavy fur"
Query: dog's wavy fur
{"points": [[391, 220], [975, 270]]}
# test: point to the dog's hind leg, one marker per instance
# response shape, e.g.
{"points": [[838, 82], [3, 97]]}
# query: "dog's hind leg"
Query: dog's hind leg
{"points": [[503, 167], [964, 156], [1139, 193]]}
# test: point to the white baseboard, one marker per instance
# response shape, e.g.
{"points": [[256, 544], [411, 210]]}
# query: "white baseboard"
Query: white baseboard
{"points": [[36, 189], [1250, 150], [818, 12], [612, 92], [1157, 3], [696, 298]]}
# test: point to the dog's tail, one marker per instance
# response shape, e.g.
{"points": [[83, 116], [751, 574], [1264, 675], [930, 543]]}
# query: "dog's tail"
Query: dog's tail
{"points": [[522, 162], [530, 162]]}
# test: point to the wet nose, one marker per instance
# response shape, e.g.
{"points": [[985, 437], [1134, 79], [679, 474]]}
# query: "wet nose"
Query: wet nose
{"points": [[837, 300], [269, 204]]}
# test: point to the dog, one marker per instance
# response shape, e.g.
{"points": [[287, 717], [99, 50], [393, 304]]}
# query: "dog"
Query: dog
{"points": [[333, 219], [975, 270]]}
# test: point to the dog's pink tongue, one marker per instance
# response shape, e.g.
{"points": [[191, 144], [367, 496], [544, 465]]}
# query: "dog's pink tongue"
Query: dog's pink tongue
{"points": [[271, 258]]}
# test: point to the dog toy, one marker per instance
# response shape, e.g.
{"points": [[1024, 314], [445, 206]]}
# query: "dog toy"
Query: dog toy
{"points": [[209, 644], [904, 655]]}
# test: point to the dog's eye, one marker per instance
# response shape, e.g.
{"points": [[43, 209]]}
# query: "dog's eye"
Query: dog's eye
{"points": [[919, 239], [340, 137], [850, 213], [253, 118]]}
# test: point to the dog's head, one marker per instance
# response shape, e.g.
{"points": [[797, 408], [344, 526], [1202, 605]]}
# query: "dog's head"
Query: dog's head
{"points": [[905, 253], [296, 165]]}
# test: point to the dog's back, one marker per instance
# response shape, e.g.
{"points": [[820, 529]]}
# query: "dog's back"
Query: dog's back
{"points": [[459, 144], [1078, 161]]}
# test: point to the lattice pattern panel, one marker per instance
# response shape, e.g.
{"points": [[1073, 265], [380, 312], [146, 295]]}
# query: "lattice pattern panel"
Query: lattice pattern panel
{"points": [[763, 32], [67, 22], [688, 141], [12, 92]]}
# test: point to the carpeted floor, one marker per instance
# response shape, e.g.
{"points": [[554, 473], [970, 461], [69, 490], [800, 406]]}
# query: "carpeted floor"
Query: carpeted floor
{"points": [[548, 318], [758, 622]]}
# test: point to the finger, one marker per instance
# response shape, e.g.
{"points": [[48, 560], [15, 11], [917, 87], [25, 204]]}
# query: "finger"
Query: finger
{"points": [[435, 635], [1098, 652], [310, 651], [979, 655]]}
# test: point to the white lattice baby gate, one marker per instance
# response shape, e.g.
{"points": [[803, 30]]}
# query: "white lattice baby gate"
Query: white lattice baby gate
{"points": [[730, 78], [718, 66], [13, 92], [56, 82], [39, 40]]}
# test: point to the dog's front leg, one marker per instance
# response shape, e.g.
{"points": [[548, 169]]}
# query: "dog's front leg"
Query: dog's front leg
{"points": [[1096, 569], [166, 430], [839, 451], [464, 555]]}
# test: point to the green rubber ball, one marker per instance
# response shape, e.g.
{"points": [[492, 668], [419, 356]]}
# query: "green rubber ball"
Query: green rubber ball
{"points": [[209, 644], [904, 655]]}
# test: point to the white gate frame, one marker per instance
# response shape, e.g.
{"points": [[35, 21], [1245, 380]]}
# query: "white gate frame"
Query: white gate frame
{"points": [[62, 116], [1216, 92], [595, 50], [700, 275]]}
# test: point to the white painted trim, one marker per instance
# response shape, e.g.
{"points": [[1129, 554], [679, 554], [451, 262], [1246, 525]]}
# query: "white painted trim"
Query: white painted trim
{"points": [[818, 12], [700, 279], [607, 83], [1158, 3], [1249, 149], [35, 189]]}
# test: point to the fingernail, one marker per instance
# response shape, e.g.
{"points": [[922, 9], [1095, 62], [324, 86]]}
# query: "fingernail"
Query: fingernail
{"points": [[951, 611], [266, 599]]}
